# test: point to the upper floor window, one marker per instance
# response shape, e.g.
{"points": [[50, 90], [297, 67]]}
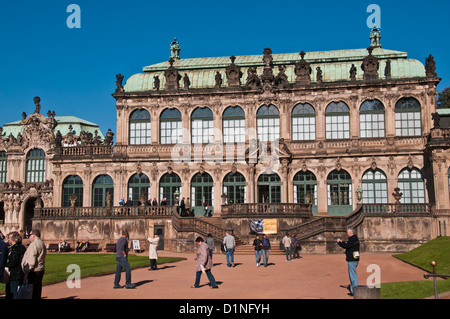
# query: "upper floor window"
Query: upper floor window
{"points": [[233, 125], [408, 117], [337, 121], [268, 123], [170, 126], [35, 168], [303, 122], [371, 119], [202, 126], [72, 185], [140, 128]]}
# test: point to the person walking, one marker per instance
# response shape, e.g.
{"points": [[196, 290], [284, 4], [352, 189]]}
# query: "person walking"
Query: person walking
{"points": [[287, 242], [229, 244], [203, 264], [3, 256], [257, 243], [265, 249], [122, 262], [295, 247], [210, 242], [13, 263], [152, 251], [33, 263], [352, 257]]}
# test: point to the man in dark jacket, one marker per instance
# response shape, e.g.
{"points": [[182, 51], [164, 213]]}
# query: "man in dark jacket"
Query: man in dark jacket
{"points": [[14, 264], [352, 257]]}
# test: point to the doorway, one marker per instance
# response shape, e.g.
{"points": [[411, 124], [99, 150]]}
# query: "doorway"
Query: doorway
{"points": [[159, 230], [29, 214]]}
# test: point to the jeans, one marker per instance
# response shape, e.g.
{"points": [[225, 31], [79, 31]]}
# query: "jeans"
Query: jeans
{"points": [[122, 262], [14, 288], [210, 276], [258, 256], [288, 253], [230, 256], [352, 274], [265, 254]]}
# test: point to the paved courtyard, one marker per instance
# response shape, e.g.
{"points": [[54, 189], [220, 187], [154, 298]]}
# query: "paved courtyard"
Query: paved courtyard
{"points": [[312, 276]]}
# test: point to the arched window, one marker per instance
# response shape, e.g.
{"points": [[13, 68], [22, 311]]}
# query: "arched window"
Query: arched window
{"points": [[170, 126], [305, 189], [168, 185], [268, 123], [337, 121], [303, 122], [35, 169], [72, 185], [269, 188], [339, 184], [101, 186], [202, 130], [138, 188], [140, 128], [371, 119], [233, 125], [234, 188], [202, 193], [411, 184], [3, 166], [408, 117], [374, 187]]}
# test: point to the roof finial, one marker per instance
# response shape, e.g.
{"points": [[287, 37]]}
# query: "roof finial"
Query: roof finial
{"points": [[175, 49], [375, 36]]}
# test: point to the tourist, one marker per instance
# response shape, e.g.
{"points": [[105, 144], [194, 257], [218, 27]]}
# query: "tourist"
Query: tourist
{"points": [[154, 202], [203, 264], [3, 256], [33, 263], [296, 247], [257, 243], [287, 242], [15, 256], [152, 253], [63, 246], [210, 242], [265, 249], [164, 202], [122, 262], [183, 208], [352, 257], [229, 244], [121, 202]]}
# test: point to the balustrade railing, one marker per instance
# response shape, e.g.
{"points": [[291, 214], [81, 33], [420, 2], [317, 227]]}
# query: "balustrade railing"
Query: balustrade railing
{"points": [[267, 208], [83, 150], [397, 208], [116, 211]]}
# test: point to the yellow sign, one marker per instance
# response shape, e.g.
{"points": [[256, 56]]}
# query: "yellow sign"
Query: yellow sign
{"points": [[270, 226]]}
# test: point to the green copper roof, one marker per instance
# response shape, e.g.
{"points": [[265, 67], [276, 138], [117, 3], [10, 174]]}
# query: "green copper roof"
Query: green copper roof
{"points": [[63, 123], [335, 66]]}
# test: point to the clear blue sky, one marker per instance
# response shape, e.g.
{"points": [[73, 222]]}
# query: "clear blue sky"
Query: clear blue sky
{"points": [[73, 70]]}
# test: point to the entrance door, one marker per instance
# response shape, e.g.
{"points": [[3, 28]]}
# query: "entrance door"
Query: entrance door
{"points": [[29, 214], [159, 230]]}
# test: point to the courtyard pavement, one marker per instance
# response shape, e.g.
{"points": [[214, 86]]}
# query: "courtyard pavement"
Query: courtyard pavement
{"points": [[310, 277]]}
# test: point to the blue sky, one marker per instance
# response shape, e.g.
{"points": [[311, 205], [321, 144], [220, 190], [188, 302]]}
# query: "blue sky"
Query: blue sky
{"points": [[73, 70]]}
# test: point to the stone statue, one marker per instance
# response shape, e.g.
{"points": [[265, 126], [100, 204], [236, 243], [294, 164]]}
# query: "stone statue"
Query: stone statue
{"points": [[430, 66], [319, 75], [233, 73], [375, 36], [172, 77], [281, 80], [370, 66], [436, 119], [253, 81], [218, 79], [119, 80], [156, 83], [175, 49], [387, 70], [303, 71], [37, 101], [186, 81], [353, 73], [108, 138]]}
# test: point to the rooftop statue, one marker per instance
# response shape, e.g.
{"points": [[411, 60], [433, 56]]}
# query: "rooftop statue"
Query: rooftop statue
{"points": [[175, 49]]}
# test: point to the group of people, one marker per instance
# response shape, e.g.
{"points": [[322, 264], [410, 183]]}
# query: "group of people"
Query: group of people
{"points": [[292, 247], [22, 267], [150, 202]]}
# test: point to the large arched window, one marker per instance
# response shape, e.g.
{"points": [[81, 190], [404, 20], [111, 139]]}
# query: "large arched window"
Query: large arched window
{"points": [[374, 187], [72, 185], [202, 193], [411, 184], [35, 169], [168, 185], [234, 188], [138, 188], [337, 121], [100, 188], [371, 119], [303, 122], [269, 188], [408, 117], [140, 127], [305, 189], [233, 125], [202, 130], [170, 126], [339, 184], [268, 123], [3, 166]]}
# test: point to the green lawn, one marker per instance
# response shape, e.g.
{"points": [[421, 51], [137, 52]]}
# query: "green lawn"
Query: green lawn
{"points": [[438, 250], [90, 265]]}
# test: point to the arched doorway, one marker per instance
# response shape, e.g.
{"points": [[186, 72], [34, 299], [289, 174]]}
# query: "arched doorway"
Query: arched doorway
{"points": [[28, 214], [269, 188]]}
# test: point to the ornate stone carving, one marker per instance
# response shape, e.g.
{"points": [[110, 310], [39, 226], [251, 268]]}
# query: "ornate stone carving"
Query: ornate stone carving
{"points": [[430, 67], [253, 81], [387, 70], [218, 79], [281, 80], [233, 73], [119, 80], [303, 71], [353, 73], [319, 75], [175, 49], [370, 66], [172, 77], [186, 81]]}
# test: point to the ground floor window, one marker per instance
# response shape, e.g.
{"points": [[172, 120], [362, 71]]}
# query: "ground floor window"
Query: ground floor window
{"points": [[234, 188], [411, 184], [169, 184], [202, 194]]}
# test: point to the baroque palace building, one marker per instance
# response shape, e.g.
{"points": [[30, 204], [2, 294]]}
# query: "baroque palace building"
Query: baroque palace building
{"points": [[307, 139]]}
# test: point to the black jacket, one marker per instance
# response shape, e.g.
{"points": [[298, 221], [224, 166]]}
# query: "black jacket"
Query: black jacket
{"points": [[257, 243], [350, 246], [14, 261]]}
